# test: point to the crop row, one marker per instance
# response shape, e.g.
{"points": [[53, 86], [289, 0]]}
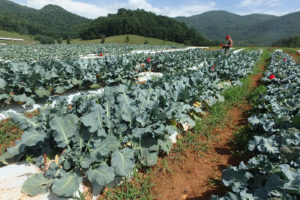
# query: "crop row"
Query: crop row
{"points": [[25, 82], [102, 137], [274, 171], [37, 52]]}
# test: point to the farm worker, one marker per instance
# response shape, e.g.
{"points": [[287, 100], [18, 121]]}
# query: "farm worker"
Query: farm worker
{"points": [[227, 46]]}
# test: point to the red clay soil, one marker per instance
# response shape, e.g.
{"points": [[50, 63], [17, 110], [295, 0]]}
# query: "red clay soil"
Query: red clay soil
{"points": [[256, 78], [198, 177], [296, 57], [195, 177]]}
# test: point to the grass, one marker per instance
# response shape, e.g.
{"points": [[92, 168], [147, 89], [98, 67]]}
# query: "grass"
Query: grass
{"points": [[138, 188], [28, 39], [166, 167], [9, 132], [293, 52], [121, 39], [234, 95]]}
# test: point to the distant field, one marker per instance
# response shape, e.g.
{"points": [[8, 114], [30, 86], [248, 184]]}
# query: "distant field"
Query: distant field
{"points": [[27, 38], [121, 39]]}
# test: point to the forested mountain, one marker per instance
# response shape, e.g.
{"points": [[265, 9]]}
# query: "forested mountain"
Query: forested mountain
{"points": [[293, 42], [51, 20], [255, 29], [54, 21], [143, 23]]}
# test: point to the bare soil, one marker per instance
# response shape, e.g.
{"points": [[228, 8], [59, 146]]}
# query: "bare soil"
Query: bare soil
{"points": [[197, 175]]}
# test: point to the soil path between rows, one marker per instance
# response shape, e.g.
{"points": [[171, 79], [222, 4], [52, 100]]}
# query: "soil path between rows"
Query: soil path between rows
{"points": [[198, 177]]}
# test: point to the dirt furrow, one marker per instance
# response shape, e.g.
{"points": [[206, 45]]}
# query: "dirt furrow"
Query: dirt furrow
{"points": [[195, 174]]}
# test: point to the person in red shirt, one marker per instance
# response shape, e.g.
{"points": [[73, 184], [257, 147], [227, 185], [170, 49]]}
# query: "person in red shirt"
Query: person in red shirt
{"points": [[228, 45]]}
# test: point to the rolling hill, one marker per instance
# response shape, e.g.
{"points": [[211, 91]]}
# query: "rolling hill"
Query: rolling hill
{"points": [[143, 23], [56, 22], [254, 29], [51, 20]]}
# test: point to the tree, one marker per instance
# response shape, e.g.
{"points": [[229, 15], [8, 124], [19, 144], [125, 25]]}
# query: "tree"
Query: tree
{"points": [[59, 40], [142, 23], [102, 36], [44, 39], [127, 38]]}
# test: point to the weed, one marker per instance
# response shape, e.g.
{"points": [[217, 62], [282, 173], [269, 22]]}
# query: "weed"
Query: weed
{"points": [[255, 95], [81, 196], [189, 139], [138, 188], [166, 167], [9, 132], [212, 182], [29, 159], [215, 160]]}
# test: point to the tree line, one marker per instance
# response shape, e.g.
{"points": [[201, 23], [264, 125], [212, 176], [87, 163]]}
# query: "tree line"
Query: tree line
{"points": [[140, 22], [293, 42]]}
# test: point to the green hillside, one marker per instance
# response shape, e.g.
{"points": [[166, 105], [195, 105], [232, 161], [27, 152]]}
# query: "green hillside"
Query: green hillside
{"points": [[133, 39], [120, 39], [51, 20], [293, 42], [275, 29], [255, 29], [27, 38], [140, 22]]}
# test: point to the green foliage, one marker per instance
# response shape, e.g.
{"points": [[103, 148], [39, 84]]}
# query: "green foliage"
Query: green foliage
{"points": [[102, 137], [36, 184], [249, 30], [59, 40], [52, 21], [66, 186], [273, 171], [142, 23], [44, 39], [8, 132], [289, 42], [138, 188]]}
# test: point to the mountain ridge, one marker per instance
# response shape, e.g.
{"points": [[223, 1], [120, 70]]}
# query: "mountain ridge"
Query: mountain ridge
{"points": [[252, 29], [51, 20], [247, 30]]}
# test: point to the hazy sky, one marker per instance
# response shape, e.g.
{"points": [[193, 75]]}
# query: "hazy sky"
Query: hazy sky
{"points": [[172, 8]]}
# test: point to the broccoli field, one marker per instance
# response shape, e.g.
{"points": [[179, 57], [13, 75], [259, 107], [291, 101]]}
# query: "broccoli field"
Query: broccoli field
{"points": [[116, 124]]}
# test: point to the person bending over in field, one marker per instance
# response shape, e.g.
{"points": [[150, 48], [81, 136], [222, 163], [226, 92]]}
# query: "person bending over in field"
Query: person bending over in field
{"points": [[228, 45]]}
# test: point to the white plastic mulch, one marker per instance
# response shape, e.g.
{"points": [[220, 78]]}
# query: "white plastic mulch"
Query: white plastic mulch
{"points": [[91, 56], [237, 51], [278, 50], [13, 176], [4, 112], [196, 67], [146, 76], [143, 77]]}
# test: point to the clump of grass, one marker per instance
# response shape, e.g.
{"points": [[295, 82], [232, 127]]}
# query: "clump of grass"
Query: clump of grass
{"points": [[166, 167], [215, 118], [255, 95], [9, 132], [241, 139], [138, 188]]}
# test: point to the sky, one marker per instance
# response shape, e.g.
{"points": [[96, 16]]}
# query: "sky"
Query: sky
{"points": [[172, 8]]}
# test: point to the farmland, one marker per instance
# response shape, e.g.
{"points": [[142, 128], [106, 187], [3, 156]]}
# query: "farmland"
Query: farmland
{"points": [[126, 124]]}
